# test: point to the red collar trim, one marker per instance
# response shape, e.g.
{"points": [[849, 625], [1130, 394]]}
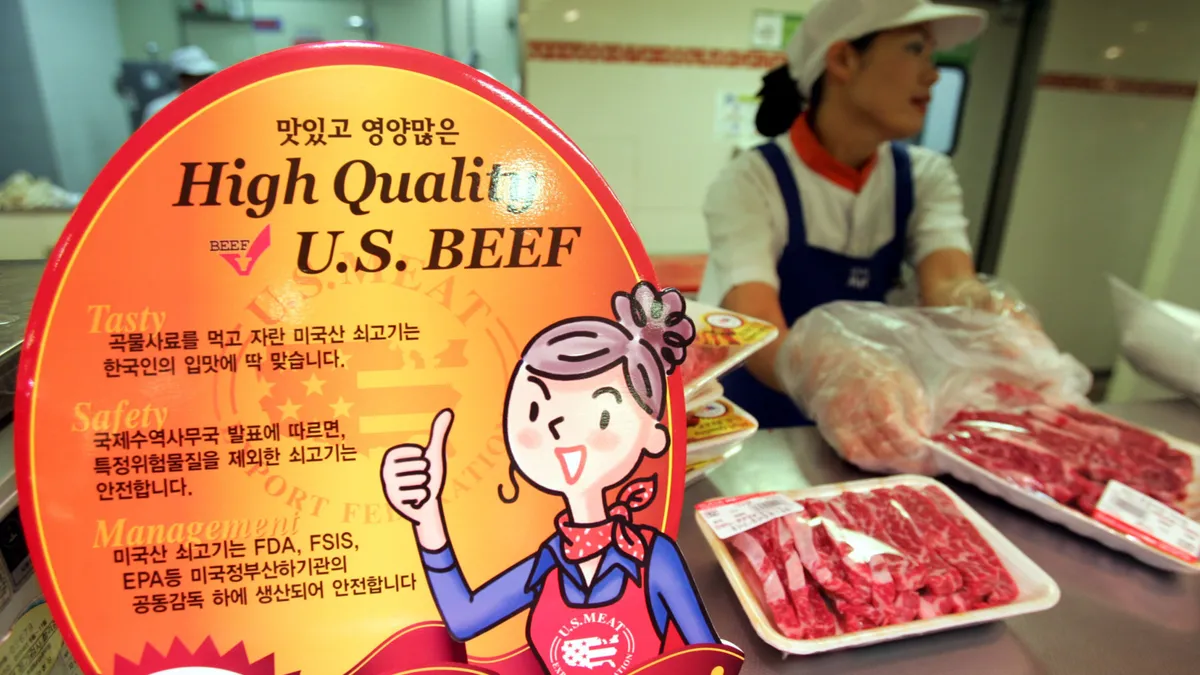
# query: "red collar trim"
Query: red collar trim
{"points": [[817, 158]]}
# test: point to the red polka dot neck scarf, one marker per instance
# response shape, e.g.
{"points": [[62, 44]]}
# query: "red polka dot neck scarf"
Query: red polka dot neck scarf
{"points": [[581, 542]]}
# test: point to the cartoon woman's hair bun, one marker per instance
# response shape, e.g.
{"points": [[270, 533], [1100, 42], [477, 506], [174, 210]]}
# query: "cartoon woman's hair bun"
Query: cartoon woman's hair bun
{"points": [[656, 317]]}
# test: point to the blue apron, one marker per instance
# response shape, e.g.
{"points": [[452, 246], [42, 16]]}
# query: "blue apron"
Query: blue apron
{"points": [[810, 276]]}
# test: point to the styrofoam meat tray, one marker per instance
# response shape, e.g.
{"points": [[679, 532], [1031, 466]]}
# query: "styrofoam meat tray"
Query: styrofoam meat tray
{"points": [[709, 393], [716, 446], [1043, 506], [708, 318], [1037, 591], [698, 470]]}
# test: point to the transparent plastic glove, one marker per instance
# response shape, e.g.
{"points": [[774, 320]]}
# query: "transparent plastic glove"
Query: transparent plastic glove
{"points": [[867, 404], [879, 380], [994, 296]]}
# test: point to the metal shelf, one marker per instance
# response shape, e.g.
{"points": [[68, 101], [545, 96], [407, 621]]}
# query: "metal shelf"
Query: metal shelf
{"points": [[212, 17]]}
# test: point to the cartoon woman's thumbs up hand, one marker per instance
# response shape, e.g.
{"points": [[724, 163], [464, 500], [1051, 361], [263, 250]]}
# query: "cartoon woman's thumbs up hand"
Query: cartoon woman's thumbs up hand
{"points": [[413, 478]]}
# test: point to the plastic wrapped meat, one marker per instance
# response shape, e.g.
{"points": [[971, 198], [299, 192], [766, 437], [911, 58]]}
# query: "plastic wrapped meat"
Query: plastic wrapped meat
{"points": [[701, 361], [1067, 452], [724, 340], [866, 559]]}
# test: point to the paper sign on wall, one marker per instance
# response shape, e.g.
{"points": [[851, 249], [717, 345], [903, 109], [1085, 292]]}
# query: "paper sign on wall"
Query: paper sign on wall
{"points": [[319, 336], [772, 30], [734, 120]]}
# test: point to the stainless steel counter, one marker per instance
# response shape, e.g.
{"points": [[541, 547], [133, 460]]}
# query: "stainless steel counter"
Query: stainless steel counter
{"points": [[18, 284], [1116, 616]]}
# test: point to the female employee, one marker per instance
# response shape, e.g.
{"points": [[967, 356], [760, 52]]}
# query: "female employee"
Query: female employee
{"points": [[831, 209]]}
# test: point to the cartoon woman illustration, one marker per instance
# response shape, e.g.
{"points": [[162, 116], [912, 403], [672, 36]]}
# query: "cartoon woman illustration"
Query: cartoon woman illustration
{"points": [[585, 404]]}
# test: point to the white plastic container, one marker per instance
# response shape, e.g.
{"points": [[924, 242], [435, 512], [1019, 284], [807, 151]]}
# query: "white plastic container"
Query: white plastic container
{"points": [[710, 392], [715, 428], [1161, 340], [1036, 590], [698, 470], [724, 340], [1076, 521]]}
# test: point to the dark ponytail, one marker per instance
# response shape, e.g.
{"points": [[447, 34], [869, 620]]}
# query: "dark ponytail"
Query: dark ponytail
{"points": [[782, 102]]}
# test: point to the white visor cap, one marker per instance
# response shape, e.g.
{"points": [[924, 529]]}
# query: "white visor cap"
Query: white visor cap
{"points": [[833, 21], [192, 60]]}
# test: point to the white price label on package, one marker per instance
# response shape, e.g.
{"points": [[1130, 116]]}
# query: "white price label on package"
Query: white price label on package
{"points": [[728, 517], [1150, 521]]}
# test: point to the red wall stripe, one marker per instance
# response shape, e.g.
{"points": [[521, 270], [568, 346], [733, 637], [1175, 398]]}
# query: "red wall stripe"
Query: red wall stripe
{"points": [[611, 52], [601, 52], [1115, 85]]}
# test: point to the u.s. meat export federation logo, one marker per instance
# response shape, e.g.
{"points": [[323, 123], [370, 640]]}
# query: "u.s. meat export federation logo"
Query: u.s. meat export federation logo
{"points": [[594, 642]]}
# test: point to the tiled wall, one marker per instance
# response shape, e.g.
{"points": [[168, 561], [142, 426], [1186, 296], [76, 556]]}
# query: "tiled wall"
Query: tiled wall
{"points": [[635, 84], [646, 117]]}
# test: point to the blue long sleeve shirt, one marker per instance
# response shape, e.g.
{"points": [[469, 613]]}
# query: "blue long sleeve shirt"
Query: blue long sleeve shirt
{"points": [[672, 595]]}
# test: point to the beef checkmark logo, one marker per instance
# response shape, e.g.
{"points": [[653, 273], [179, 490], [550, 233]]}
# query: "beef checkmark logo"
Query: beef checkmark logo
{"points": [[243, 262]]}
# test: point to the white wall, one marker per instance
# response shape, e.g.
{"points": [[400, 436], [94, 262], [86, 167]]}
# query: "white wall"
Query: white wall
{"points": [[650, 127], [1173, 268], [24, 132], [144, 21], [414, 23], [989, 88], [227, 43], [75, 45], [1096, 165]]}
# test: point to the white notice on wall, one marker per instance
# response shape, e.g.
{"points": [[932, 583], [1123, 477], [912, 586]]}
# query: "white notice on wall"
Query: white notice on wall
{"points": [[767, 32], [735, 117]]}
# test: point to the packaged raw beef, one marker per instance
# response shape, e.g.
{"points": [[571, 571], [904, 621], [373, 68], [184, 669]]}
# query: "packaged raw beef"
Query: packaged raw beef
{"points": [[864, 562], [1069, 454], [716, 427], [715, 432], [991, 400], [724, 340]]}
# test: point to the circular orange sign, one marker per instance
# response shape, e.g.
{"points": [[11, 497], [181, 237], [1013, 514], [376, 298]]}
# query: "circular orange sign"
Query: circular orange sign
{"points": [[236, 396]]}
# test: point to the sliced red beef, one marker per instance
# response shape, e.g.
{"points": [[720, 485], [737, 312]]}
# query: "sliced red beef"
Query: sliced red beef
{"points": [[896, 576], [1151, 452], [949, 539], [1004, 589], [699, 360], [762, 576], [1021, 461], [815, 618], [823, 557], [808, 577], [937, 605], [867, 570], [986, 419], [929, 570], [943, 578]]}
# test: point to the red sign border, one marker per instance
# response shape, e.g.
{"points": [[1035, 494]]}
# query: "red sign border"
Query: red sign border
{"points": [[227, 82]]}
